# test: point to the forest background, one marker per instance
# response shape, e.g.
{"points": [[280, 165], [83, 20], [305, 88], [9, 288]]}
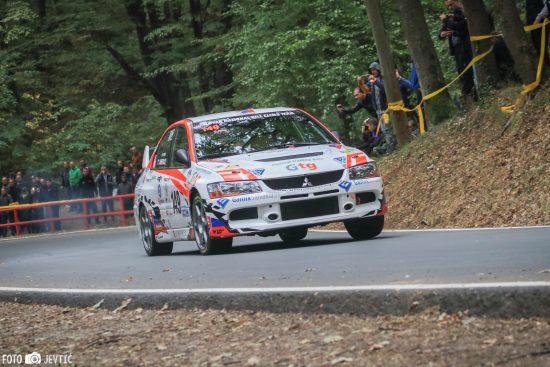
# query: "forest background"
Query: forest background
{"points": [[91, 78]]}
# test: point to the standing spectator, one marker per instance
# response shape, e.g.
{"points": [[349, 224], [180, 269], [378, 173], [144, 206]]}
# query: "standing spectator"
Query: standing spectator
{"points": [[120, 169], [104, 182], [13, 190], [5, 181], [74, 185], [125, 187], [19, 181], [5, 200], [455, 28], [380, 102], [44, 197], [36, 213], [544, 12], [129, 176], [137, 158], [532, 10], [52, 194], [25, 214], [88, 191], [65, 182], [81, 165]]}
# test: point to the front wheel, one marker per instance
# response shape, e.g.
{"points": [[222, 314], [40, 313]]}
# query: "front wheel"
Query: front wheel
{"points": [[206, 244], [292, 235], [147, 233], [365, 228]]}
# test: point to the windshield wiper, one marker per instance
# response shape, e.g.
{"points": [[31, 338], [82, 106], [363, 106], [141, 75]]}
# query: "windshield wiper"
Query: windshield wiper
{"points": [[285, 145]]}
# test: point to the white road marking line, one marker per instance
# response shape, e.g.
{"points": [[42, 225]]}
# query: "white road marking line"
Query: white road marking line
{"points": [[52, 234], [127, 228], [389, 287], [435, 229]]}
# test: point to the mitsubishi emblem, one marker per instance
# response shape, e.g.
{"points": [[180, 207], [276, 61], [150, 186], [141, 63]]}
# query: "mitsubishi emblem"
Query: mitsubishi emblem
{"points": [[306, 183]]}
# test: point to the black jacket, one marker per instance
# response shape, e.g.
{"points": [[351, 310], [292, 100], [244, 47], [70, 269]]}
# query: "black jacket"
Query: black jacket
{"points": [[87, 187], [104, 184], [366, 104], [456, 22]]}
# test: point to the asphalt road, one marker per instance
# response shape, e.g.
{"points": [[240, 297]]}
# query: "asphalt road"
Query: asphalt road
{"points": [[115, 259]]}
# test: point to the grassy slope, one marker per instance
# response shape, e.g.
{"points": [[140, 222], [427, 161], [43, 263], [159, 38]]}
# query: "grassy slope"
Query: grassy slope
{"points": [[465, 174]]}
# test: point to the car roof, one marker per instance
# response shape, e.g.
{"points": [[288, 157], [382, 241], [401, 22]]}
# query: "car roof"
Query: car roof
{"points": [[249, 111]]}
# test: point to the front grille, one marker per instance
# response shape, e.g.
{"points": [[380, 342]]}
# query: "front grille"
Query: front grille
{"points": [[297, 182], [365, 197], [242, 214], [309, 208]]}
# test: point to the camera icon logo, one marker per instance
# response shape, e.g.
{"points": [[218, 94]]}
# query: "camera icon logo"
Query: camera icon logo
{"points": [[33, 358]]}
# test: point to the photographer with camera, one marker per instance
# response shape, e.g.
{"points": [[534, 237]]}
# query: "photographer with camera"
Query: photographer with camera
{"points": [[454, 28]]}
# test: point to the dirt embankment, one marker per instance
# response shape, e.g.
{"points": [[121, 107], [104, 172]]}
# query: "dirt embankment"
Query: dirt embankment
{"points": [[464, 173], [467, 172]]}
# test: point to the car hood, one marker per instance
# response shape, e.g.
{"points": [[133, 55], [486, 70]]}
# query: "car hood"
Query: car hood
{"points": [[285, 162]]}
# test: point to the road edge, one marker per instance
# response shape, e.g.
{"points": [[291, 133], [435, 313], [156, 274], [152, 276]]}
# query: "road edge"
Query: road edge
{"points": [[498, 302]]}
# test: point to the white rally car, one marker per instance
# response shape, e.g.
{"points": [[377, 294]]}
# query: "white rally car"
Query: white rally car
{"points": [[265, 172]]}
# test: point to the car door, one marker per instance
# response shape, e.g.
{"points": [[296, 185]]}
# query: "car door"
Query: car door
{"points": [[161, 179], [179, 186]]}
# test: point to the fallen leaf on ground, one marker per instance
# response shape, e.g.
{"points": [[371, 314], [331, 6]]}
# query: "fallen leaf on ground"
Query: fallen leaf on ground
{"points": [[332, 339], [123, 305], [379, 346], [98, 305], [341, 360]]}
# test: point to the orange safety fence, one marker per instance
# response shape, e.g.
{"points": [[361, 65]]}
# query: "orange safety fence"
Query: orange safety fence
{"points": [[85, 215]]}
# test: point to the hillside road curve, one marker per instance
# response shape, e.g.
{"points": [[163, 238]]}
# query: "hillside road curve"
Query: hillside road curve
{"points": [[115, 259]]}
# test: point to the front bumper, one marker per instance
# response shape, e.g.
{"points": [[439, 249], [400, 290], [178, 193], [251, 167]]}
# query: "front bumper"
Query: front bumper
{"points": [[274, 210]]}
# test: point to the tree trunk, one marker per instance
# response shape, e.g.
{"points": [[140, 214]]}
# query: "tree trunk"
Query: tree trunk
{"points": [[171, 91], [42, 9], [198, 16], [425, 58], [480, 24], [521, 48], [388, 69]]}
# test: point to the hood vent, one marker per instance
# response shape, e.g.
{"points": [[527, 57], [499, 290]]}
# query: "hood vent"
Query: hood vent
{"points": [[275, 159]]}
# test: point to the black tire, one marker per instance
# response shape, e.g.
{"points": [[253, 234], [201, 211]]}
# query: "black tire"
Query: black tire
{"points": [[206, 244], [365, 228], [293, 235], [147, 234]]}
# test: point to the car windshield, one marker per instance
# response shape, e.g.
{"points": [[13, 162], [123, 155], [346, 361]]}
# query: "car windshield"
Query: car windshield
{"points": [[257, 132]]}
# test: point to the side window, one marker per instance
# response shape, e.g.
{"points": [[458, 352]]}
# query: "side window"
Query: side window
{"points": [[180, 143], [163, 156]]}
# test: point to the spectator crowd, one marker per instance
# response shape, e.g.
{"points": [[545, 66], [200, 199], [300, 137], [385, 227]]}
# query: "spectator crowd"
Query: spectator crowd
{"points": [[378, 138], [72, 182]]}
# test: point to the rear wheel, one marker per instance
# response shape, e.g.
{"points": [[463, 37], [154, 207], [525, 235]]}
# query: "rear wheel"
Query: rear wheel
{"points": [[293, 234], [147, 233], [365, 228], [206, 244]]}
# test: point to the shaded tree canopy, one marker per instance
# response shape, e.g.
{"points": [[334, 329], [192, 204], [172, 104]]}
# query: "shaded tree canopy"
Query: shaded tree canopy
{"points": [[83, 78]]}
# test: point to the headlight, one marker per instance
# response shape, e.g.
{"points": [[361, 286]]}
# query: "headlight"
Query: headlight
{"points": [[364, 171], [221, 189]]}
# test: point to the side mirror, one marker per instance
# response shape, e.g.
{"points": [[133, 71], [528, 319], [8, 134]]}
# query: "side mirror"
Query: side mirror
{"points": [[182, 156], [145, 160]]}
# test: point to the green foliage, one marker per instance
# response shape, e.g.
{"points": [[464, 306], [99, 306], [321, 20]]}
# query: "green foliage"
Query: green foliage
{"points": [[63, 95]]}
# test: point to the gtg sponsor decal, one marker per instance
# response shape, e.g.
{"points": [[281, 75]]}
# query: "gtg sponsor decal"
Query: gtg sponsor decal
{"points": [[301, 166]]}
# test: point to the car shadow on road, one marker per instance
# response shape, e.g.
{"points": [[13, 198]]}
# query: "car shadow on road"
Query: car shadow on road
{"points": [[276, 244]]}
